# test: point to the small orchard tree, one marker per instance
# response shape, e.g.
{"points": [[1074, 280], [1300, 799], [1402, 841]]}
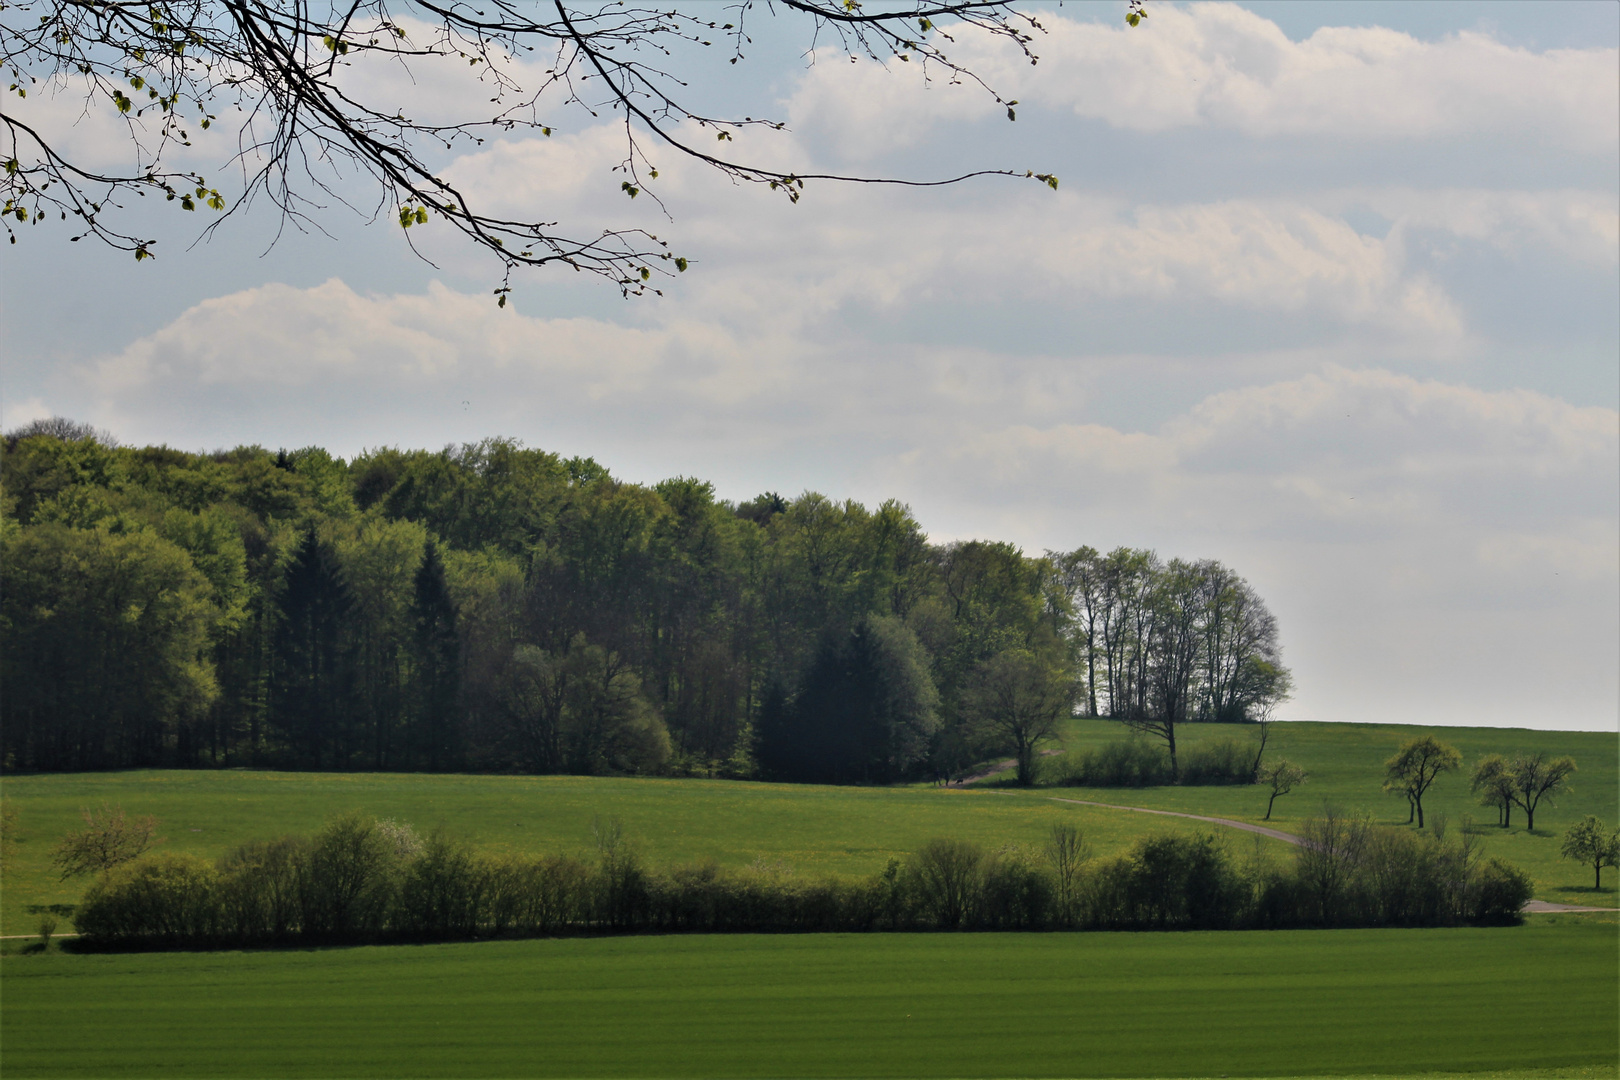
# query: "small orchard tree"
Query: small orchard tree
{"points": [[1593, 843], [1493, 783], [108, 839], [1414, 769], [1535, 777], [1282, 776]]}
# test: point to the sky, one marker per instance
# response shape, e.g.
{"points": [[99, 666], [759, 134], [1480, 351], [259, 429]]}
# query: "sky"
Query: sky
{"points": [[1329, 292]]}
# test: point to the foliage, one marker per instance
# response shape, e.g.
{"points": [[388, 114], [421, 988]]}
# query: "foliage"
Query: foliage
{"points": [[1015, 701], [109, 839], [348, 883], [1535, 777], [1136, 762], [1282, 777], [867, 710], [301, 82], [1416, 766], [498, 609], [1593, 843], [1492, 781]]}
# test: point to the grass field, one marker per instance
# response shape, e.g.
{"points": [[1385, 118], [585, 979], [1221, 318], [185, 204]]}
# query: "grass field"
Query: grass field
{"points": [[813, 829], [1346, 767], [1401, 1002]]}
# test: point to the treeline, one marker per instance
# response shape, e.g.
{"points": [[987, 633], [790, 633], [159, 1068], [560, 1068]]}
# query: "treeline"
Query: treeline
{"points": [[361, 880], [494, 608]]}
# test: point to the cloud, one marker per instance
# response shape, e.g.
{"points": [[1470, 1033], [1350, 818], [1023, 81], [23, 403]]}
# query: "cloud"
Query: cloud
{"points": [[1384, 517], [1417, 539], [17, 413], [886, 250], [1221, 66]]}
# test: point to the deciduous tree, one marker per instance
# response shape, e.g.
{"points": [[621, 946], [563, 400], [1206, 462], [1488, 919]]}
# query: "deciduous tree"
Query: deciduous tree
{"points": [[1593, 843], [1282, 776], [1536, 776], [1493, 783], [108, 839], [1416, 766], [1017, 698]]}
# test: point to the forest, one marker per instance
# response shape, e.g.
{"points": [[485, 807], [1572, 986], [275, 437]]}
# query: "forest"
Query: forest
{"points": [[494, 608]]}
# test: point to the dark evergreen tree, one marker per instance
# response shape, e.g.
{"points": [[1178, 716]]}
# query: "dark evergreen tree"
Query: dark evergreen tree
{"points": [[864, 713], [436, 666], [311, 680]]}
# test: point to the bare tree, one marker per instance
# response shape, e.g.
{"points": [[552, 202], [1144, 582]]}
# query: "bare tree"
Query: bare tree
{"points": [[1067, 852], [108, 839], [291, 77], [59, 427]]}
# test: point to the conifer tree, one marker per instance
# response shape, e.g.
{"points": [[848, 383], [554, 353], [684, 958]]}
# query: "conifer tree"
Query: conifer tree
{"points": [[436, 664], [311, 676]]}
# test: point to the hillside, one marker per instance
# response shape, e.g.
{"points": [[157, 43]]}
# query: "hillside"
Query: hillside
{"points": [[809, 828]]}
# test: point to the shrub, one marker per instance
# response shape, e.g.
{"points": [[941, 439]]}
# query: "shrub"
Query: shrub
{"points": [[172, 897], [1219, 761], [442, 893], [347, 880], [944, 875], [259, 895], [1013, 893], [537, 894], [1133, 762], [1500, 893], [1169, 882]]}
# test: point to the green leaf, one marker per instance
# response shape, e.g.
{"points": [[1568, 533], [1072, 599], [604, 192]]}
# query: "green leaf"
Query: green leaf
{"points": [[680, 263]]}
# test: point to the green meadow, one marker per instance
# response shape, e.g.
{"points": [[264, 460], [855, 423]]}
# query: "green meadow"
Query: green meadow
{"points": [[1345, 763], [813, 830], [1539, 999]]}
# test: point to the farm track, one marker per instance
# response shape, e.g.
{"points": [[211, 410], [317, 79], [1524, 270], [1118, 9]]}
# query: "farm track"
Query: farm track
{"points": [[1537, 907]]}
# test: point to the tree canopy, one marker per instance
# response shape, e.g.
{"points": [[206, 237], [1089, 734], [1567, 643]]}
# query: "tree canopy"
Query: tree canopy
{"points": [[498, 608]]}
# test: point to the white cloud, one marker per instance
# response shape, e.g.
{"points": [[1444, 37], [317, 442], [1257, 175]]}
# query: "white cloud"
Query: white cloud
{"points": [[17, 413], [1384, 517], [1220, 65]]}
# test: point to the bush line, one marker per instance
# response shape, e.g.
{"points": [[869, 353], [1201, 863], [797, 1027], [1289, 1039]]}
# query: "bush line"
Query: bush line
{"points": [[360, 880]]}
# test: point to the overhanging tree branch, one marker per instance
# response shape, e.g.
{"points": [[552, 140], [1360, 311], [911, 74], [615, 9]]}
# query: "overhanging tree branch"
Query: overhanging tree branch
{"points": [[287, 69]]}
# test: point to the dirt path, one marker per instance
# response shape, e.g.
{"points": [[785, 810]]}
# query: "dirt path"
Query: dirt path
{"points": [[1263, 830], [1538, 906], [995, 770], [1533, 907]]}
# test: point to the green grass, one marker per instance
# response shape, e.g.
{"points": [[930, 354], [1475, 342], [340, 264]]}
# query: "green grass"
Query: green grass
{"points": [[814, 830], [1346, 767], [1401, 1002]]}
